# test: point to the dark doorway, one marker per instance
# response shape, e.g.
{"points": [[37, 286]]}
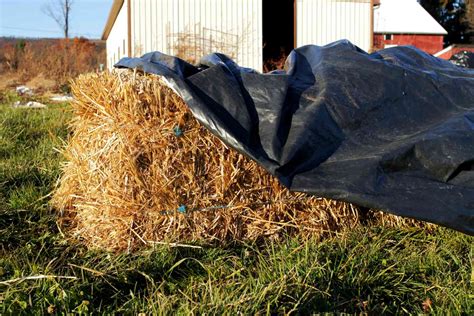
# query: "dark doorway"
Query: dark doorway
{"points": [[278, 32]]}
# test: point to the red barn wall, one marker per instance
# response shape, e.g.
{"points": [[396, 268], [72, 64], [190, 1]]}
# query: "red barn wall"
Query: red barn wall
{"points": [[429, 43]]}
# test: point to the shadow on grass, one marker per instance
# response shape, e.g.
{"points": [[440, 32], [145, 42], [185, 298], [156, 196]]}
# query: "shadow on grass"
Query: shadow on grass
{"points": [[369, 269]]}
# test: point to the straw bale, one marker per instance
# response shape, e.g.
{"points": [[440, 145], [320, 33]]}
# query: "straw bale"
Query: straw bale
{"points": [[140, 169]]}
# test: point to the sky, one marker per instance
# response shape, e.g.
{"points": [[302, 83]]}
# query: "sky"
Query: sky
{"points": [[25, 18]]}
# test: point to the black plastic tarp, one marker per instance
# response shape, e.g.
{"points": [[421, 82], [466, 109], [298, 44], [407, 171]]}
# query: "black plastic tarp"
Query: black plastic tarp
{"points": [[392, 130]]}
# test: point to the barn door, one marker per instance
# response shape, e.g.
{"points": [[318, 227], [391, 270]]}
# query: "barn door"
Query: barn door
{"points": [[278, 32]]}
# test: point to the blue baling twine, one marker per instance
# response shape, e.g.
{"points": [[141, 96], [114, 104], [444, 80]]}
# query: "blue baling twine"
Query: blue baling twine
{"points": [[178, 132], [184, 210]]}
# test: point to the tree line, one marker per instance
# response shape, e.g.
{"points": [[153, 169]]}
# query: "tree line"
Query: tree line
{"points": [[456, 16]]}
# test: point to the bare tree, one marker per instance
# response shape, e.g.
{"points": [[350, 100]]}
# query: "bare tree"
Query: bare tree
{"points": [[469, 19], [60, 11]]}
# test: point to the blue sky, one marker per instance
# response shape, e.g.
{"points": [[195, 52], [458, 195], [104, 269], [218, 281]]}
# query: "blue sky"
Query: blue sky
{"points": [[24, 18]]}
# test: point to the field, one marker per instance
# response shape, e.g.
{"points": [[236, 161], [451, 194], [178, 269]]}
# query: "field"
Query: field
{"points": [[47, 64], [43, 270]]}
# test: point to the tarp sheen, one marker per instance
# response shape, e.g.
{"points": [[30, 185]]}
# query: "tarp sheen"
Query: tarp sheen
{"points": [[393, 130]]}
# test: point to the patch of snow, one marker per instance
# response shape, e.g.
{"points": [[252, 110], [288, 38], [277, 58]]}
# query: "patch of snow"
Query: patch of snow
{"points": [[29, 105], [24, 90], [62, 98]]}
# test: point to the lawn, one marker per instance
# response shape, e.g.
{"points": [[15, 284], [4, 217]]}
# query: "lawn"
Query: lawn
{"points": [[43, 270]]}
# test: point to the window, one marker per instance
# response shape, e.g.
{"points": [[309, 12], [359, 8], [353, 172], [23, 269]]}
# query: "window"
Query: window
{"points": [[388, 37]]}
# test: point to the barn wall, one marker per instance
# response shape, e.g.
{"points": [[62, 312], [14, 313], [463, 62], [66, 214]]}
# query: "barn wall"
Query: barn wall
{"points": [[321, 22], [117, 42], [428, 43], [191, 29]]}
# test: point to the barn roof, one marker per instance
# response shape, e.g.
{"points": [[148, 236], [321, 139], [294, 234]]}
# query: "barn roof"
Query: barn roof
{"points": [[404, 17], [116, 6]]}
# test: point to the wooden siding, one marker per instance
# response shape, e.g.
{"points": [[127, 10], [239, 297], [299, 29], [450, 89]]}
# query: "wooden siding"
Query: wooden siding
{"points": [[431, 44]]}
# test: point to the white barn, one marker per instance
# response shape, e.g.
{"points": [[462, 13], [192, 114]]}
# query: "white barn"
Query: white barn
{"points": [[249, 31]]}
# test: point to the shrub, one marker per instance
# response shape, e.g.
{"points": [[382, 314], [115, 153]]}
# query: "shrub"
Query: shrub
{"points": [[59, 60]]}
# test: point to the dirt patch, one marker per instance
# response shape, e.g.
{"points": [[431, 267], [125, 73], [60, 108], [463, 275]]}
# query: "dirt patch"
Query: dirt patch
{"points": [[41, 83], [38, 84], [9, 80]]}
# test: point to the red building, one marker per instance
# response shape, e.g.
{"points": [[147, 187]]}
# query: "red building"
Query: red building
{"points": [[406, 22]]}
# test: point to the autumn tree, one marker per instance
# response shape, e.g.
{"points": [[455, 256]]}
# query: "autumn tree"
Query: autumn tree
{"points": [[468, 20], [451, 15], [60, 12]]}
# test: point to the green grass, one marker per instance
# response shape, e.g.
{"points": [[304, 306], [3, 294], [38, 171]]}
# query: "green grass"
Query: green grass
{"points": [[369, 269]]}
